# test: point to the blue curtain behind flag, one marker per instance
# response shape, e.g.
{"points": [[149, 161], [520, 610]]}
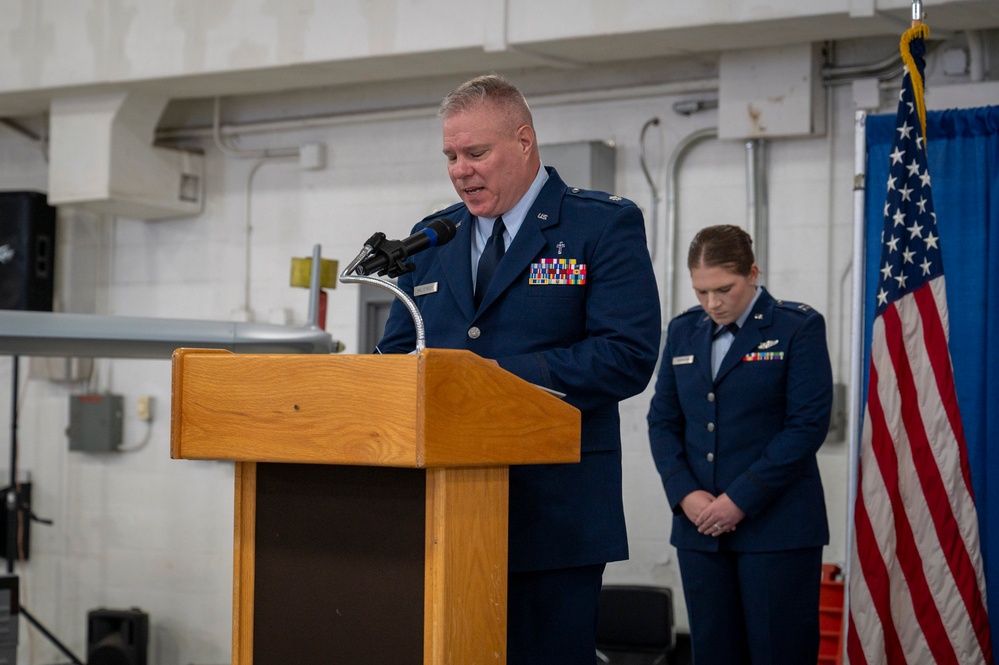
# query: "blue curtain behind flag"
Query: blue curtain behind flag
{"points": [[964, 171]]}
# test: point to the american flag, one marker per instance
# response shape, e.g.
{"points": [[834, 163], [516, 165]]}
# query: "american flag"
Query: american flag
{"points": [[917, 588]]}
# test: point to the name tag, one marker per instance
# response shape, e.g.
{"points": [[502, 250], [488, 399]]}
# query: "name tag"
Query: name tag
{"points": [[683, 360], [424, 289]]}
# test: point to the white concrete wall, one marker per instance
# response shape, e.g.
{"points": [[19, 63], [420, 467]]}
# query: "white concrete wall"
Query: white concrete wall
{"points": [[139, 529]]}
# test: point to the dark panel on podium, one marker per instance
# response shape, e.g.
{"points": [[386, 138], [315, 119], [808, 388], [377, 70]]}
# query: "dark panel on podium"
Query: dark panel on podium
{"points": [[339, 563]]}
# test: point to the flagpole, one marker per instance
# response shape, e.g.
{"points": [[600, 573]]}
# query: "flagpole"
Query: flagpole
{"points": [[917, 13], [857, 340]]}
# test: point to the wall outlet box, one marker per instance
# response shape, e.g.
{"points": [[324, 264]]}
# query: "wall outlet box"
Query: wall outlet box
{"points": [[144, 407], [312, 157], [95, 422]]}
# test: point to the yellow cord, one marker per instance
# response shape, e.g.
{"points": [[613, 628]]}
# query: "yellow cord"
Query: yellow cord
{"points": [[916, 78]]}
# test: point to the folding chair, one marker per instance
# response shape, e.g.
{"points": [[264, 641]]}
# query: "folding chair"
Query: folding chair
{"points": [[635, 620]]}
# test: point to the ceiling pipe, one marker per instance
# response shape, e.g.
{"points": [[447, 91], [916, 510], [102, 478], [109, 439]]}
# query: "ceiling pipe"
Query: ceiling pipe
{"points": [[411, 112]]}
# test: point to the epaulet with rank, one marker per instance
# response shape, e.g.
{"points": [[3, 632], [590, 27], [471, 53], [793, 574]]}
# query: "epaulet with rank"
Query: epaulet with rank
{"points": [[597, 195], [794, 306], [696, 309], [443, 213]]}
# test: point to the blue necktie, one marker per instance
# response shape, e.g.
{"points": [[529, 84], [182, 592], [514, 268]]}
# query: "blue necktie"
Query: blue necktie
{"points": [[491, 255], [731, 327]]}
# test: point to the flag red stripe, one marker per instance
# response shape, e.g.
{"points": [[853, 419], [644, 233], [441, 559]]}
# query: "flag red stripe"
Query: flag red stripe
{"points": [[948, 532], [876, 577], [936, 348], [854, 650], [906, 553], [910, 561]]}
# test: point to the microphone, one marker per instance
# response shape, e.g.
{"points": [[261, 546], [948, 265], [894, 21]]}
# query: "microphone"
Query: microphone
{"points": [[389, 254]]}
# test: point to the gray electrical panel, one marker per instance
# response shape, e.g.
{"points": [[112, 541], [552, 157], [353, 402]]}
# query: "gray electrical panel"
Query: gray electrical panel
{"points": [[95, 422], [586, 164]]}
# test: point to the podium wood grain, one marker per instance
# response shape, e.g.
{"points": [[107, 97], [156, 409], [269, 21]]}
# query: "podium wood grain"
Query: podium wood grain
{"points": [[441, 408], [371, 498]]}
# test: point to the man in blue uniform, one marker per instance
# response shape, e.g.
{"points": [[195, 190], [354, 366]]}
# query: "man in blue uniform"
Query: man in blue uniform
{"points": [[556, 285]]}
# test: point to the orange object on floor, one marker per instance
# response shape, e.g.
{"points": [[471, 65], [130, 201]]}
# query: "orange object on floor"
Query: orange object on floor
{"points": [[831, 597]]}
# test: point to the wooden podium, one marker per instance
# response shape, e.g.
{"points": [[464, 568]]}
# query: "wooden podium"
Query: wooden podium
{"points": [[371, 497]]}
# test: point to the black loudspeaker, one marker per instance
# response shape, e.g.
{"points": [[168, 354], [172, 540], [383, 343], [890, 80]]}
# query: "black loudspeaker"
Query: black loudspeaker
{"points": [[117, 637], [15, 537], [27, 251]]}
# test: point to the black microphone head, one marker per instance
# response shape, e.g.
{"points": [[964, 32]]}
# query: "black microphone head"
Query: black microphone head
{"points": [[444, 229]]}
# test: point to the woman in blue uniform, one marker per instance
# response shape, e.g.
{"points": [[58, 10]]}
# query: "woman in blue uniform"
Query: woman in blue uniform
{"points": [[742, 404]]}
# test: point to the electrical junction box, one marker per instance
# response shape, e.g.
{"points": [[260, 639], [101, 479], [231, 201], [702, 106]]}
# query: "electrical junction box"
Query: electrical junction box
{"points": [[771, 92], [95, 422], [586, 164]]}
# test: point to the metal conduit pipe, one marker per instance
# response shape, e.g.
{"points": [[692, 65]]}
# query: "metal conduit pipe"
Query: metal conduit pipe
{"points": [[757, 205], [229, 151], [654, 213], [976, 56], [406, 113], [885, 68], [672, 228]]}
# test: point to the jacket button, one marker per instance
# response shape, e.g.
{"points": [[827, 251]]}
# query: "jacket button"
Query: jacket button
{"points": [[711, 427], [711, 457], [711, 397], [474, 332]]}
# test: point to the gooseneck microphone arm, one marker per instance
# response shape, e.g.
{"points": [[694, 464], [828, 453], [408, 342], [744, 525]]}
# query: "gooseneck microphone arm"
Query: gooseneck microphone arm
{"points": [[387, 257], [347, 277]]}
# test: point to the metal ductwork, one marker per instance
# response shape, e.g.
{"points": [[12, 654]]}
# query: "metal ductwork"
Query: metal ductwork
{"points": [[102, 159]]}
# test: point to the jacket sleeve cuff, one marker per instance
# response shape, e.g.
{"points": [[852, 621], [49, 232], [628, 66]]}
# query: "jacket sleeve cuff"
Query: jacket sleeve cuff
{"points": [[748, 495], [678, 486]]}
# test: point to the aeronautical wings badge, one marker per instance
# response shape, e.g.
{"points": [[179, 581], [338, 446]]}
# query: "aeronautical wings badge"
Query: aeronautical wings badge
{"points": [[768, 344]]}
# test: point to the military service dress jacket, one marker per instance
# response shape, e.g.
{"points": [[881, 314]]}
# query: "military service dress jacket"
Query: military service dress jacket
{"points": [[752, 431], [574, 307]]}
